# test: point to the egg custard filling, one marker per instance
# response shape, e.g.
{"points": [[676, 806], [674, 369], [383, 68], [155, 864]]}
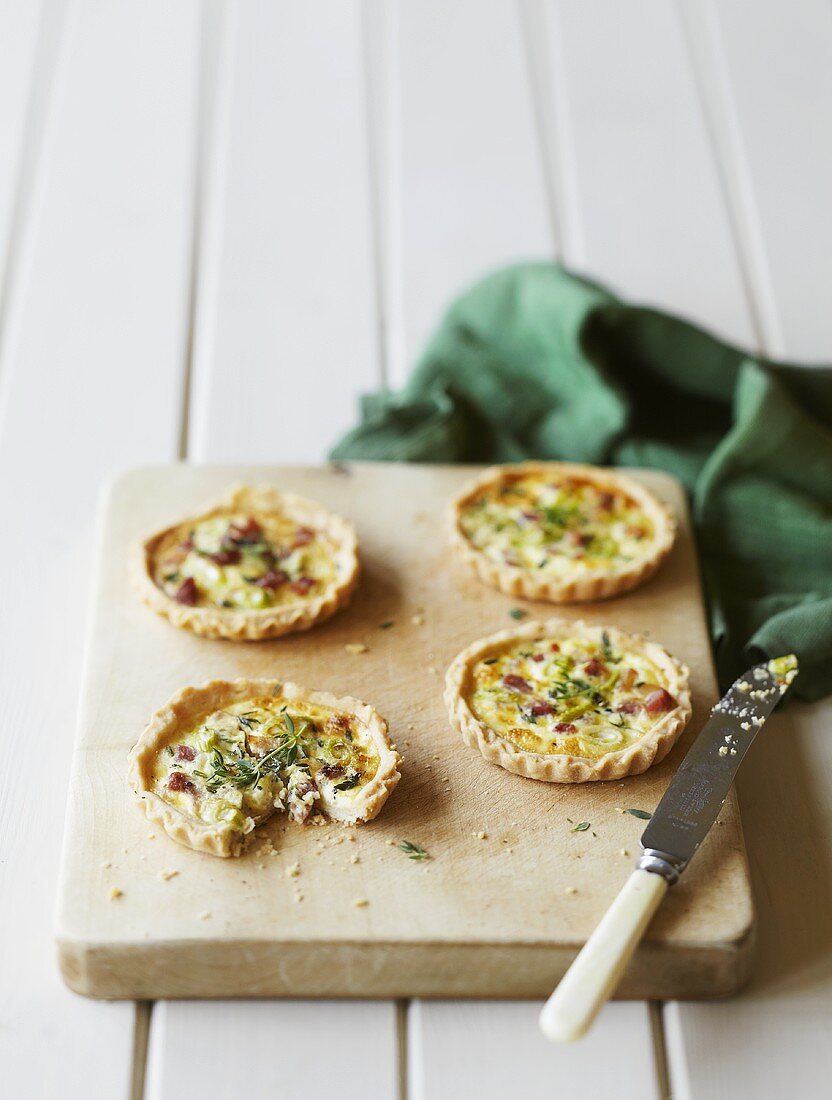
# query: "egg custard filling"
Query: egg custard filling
{"points": [[575, 696], [245, 562], [567, 701], [258, 564], [556, 524], [217, 774], [559, 531]]}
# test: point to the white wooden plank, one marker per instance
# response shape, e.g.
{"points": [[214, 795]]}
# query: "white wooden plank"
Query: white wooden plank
{"points": [[766, 83], [286, 298], [652, 218], [480, 1051], [286, 319], [90, 381], [773, 1040], [20, 25], [766, 76], [470, 194], [267, 1049]]}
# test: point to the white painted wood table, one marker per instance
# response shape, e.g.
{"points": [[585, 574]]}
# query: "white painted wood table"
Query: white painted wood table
{"points": [[208, 207]]}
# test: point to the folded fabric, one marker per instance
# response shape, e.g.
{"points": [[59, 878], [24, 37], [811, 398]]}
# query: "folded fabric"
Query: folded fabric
{"points": [[535, 362]]}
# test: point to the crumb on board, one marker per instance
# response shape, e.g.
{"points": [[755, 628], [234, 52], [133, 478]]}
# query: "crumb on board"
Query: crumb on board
{"points": [[356, 648], [106, 865], [623, 852], [115, 894], [355, 859], [168, 874], [204, 915], [433, 670], [571, 890], [298, 897], [418, 619], [293, 870], [151, 836], [360, 903], [481, 835]]}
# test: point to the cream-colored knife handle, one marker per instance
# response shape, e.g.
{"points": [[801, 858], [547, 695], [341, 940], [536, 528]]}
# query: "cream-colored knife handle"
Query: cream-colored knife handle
{"points": [[592, 978]]}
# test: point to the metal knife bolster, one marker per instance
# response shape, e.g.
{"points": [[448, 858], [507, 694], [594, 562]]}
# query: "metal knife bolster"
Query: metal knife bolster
{"points": [[697, 792]]}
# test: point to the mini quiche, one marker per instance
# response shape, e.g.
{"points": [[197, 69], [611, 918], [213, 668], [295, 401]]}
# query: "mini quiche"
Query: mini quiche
{"points": [[560, 532], [566, 702], [259, 564], [218, 760]]}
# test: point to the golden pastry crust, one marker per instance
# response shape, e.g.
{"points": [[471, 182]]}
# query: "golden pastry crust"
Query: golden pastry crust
{"points": [[194, 704], [649, 747], [574, 581], [252, 624]]}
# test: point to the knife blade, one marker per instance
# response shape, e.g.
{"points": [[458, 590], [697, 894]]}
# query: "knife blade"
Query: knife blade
{"points": [[697, 792], [680, 822]]}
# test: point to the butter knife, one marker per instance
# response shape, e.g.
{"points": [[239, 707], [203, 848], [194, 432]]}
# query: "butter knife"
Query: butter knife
{"points": [[681, 821]]}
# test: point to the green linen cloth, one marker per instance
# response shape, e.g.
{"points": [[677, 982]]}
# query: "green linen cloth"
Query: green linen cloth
{"points": [[534, 362]]}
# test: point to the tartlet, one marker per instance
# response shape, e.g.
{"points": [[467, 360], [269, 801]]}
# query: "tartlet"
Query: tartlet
{"points": [[568, 702], [559, 531], [220, 759], [257, 564]]}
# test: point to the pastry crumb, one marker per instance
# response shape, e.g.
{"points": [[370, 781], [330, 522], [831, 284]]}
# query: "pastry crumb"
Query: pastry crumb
{"points": [[355, 859], [723, 750], [106, 865], [623, 852], [482, 835], [356, 648], [166, 875], [151, 836], [298, 897], [433, 670], [571, 890], [205, 915], [418, 619], [293, 870], [360, 903], [115, 893]]}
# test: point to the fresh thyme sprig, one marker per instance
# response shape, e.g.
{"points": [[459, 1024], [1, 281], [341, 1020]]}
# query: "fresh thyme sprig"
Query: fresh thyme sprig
{"points": [[413, 851]]}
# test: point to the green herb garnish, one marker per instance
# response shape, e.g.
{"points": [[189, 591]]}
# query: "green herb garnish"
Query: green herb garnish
{"points": [[413, 851], [386, 625], [350, 782], [642, 815], [581, 827], [518, 612]]}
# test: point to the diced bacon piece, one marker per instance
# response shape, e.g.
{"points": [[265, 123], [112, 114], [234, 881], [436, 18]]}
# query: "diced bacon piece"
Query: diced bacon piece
{"points": [[659, 701], [511, 680], [187, 593], [272, 579], [178, 781], [331, 771], [636, 531], [532, 517], [595, 668], [303, 536], [541, 708], [566, 727], [250, 531], [630, 707], [185, 752], [606, 501], [555, 648], [226, 557], [302, 585], [538, 657], [188, 544]]}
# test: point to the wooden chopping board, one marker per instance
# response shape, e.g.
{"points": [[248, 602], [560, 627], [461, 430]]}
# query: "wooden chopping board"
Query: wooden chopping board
{"points": [[510, 891]]}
